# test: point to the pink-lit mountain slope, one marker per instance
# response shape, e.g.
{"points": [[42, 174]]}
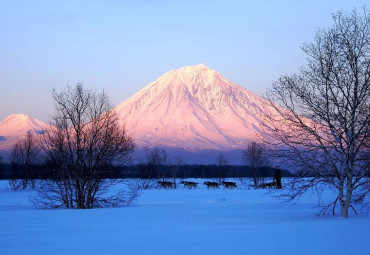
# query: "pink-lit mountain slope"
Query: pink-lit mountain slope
{"points": [[16, 126], [193, 108]]}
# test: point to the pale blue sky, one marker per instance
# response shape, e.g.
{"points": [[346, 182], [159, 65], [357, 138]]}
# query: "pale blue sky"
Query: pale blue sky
{"points": [[121, 46]]}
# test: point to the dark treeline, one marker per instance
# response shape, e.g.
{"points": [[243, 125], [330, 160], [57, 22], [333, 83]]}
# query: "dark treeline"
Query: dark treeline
{"points": [[7, 171], [195, 171], [35, 171]]}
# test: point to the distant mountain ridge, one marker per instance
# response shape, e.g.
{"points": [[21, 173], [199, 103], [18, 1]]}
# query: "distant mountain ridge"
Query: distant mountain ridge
{"points": [[16, 126], [192, 112]]}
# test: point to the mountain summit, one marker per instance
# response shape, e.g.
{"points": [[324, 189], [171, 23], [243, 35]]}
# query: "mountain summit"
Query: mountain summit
{"points": [[17, 125], [193, 108]]}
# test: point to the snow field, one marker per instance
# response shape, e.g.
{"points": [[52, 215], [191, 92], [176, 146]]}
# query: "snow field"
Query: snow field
{"points": [[181, 221]]}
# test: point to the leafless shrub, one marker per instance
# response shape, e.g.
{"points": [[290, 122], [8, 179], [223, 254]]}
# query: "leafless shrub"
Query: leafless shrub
{"points": [[85, 140], [222, 168], [256, 157], [24, 155], [154, 167]]}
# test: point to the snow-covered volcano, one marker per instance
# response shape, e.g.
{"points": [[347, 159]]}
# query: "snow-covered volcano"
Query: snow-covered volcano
{"points": [[16, 126], [193, 108]]}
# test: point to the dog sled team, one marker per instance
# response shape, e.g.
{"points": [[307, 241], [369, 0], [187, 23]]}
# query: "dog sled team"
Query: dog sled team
{"points": [[194, 185], [276, 183]]}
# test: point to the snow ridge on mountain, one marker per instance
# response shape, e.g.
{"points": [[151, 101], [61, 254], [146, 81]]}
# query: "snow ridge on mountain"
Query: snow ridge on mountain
{"points": [[193, 108]]}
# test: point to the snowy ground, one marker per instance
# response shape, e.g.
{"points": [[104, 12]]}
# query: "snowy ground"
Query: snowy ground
{"points": [[241, 221]]}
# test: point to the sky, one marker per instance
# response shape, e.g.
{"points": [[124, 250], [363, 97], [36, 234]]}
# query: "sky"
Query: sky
{"points": [[122, 46]]}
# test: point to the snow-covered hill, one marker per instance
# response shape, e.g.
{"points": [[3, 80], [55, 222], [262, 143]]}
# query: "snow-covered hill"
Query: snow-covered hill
{"points": [[193, 108], [16, 126]]}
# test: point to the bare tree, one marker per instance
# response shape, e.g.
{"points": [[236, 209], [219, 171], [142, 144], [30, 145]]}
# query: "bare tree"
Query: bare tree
{"points": [[323, 127], [154, 166], [24, 156], [85, 140], [256, 157], [156, 159], [145, 175], [222, 168], [175, 169]]}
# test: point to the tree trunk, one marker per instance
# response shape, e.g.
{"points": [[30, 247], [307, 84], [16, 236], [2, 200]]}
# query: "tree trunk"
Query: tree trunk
{"points": [[345, 200], [344, 206], [255, 181]]}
